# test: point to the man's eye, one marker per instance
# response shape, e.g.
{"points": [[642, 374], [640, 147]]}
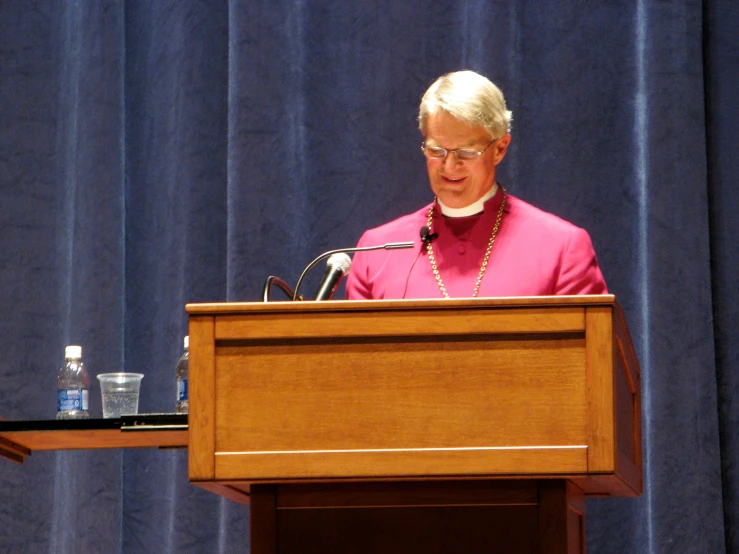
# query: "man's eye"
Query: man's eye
{"points": [[466, 154]]}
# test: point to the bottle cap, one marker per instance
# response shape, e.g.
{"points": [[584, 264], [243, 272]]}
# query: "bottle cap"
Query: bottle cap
{"points": [[187, 342], [73, 352]]}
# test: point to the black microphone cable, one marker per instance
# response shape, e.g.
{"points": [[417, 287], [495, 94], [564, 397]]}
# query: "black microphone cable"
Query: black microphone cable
{"points": [[425, 237]]}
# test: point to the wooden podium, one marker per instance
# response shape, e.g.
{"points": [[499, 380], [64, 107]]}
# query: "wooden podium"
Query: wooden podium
{"points": [[475, 425]]}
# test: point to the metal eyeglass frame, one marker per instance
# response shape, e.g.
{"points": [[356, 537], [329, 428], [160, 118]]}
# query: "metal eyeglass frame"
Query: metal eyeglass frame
{"points": [[474, 154]]}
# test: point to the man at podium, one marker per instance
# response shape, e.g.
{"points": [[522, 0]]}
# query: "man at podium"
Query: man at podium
{"points": [[474, 239]]}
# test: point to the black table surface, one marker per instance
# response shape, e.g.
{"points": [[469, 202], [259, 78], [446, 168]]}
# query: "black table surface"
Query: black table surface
{"points": [[141, 421]]}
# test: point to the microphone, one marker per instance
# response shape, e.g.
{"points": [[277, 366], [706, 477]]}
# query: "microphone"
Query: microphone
{"points": [[337, 266], [386, 246], [426, 237]]}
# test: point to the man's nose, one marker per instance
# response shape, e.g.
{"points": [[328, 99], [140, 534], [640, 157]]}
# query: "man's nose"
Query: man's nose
{"points": [[451, 161]]}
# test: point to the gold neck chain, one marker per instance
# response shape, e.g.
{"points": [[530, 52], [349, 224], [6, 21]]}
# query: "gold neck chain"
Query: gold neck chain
{"points": [[483, 267]]}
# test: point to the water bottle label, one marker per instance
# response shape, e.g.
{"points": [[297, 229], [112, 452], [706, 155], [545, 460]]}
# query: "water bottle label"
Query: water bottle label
{"points": [[181, 390], [71, 399]]}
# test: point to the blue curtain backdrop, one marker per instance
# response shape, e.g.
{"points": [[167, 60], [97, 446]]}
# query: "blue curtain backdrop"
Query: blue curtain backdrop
{"points": [[154, 153]]}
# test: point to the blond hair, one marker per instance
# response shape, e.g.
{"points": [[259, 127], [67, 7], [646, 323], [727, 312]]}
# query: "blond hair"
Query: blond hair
{"points": [[469, 97]]}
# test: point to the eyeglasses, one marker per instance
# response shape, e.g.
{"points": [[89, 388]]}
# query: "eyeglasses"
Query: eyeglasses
{"points": [[462, 154]]}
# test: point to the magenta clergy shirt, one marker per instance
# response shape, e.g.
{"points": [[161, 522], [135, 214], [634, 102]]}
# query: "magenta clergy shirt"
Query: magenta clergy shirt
{"points": [[535, 254]]}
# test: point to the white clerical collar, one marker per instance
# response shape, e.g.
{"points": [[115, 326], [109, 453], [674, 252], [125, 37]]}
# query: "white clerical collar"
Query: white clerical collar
{"points": [[474, 208]]}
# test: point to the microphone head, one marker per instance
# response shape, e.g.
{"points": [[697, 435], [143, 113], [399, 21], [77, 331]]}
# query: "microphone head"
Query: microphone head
{"points": [[340, 260], [425, 236]]}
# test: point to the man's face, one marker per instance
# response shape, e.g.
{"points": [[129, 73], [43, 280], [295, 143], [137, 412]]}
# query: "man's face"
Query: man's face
{"points": [[458, 184]]}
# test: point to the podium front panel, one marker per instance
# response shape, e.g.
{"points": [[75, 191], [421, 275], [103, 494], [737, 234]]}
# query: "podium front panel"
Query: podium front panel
{"points": [[501, 388]]}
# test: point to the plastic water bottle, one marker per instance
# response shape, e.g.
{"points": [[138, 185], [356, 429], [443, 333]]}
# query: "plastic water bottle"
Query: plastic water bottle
{"points": [[73, 386], [182, 366]]}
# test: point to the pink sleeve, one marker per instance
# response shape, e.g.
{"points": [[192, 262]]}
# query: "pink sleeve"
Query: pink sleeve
{"points": [[579, 272], [357, 283]]}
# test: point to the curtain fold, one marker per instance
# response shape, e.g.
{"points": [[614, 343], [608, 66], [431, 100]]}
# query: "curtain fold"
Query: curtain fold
{"points": [[176, 114], [721, 58], [159, 153]]}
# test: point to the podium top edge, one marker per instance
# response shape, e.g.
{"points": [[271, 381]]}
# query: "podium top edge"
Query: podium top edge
{"points": [[583, 300]]}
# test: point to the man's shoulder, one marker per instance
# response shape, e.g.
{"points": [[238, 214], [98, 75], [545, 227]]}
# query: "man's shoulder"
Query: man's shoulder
{"points": [[528, 214]]}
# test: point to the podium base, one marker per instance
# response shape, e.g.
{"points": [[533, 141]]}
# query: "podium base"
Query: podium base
{"points": [[459, 517]]}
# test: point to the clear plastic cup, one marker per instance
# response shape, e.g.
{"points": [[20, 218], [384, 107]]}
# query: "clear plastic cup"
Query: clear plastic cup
{"points": [[120, 393]]}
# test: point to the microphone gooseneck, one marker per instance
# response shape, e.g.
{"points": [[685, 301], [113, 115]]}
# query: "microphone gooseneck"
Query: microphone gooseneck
{"points": [[386, 246]]}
